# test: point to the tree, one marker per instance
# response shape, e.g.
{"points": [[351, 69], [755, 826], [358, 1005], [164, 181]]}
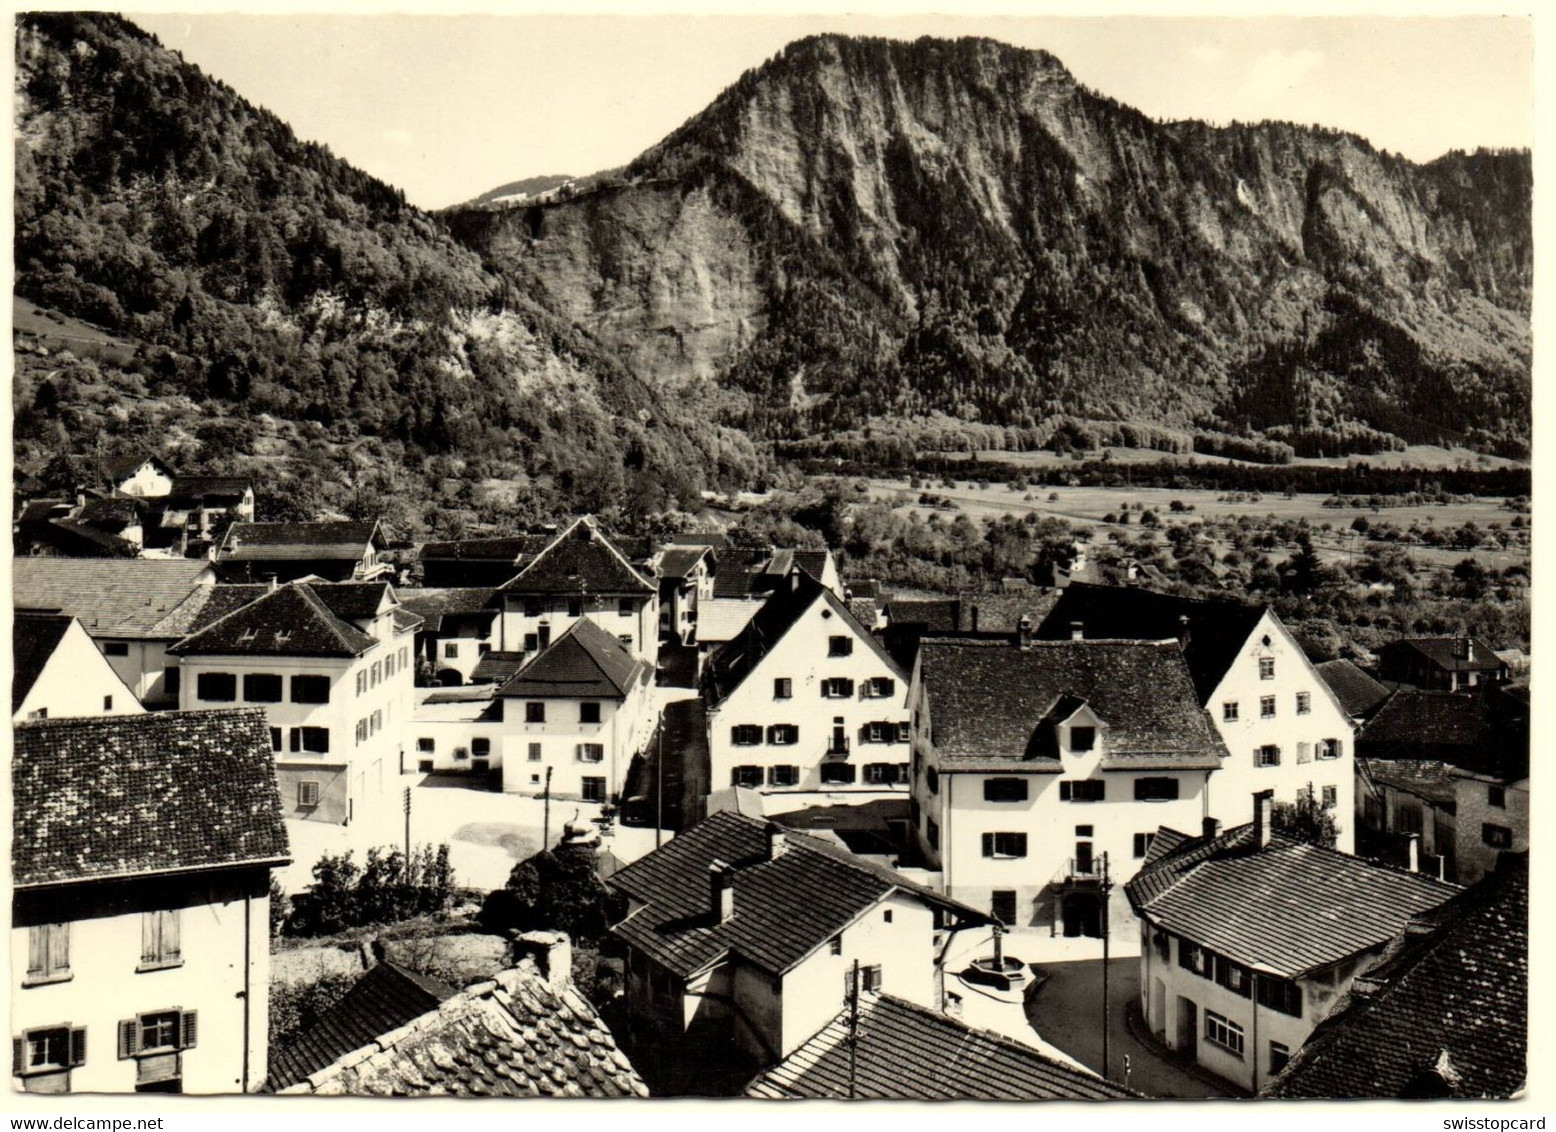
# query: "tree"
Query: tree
{"points": [[1306, 819], [555, 890]]}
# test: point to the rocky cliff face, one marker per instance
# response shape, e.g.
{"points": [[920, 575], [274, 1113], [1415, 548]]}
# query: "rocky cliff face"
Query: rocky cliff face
{"points": [[863, 228]]}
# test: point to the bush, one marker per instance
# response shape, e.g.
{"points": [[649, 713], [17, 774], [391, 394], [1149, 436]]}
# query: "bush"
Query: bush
{"points": [[555, 890], [295, 1009], [384, 890]]}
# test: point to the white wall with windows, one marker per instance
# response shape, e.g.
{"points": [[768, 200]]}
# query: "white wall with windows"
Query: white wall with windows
{"points": [[587, 744], [77, 681], [531, 622]]}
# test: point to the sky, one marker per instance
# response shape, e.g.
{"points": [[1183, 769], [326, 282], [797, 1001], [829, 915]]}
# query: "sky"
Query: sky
{"points": [[447, 107]]}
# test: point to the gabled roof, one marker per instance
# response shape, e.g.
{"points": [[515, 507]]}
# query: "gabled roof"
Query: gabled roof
{"points": [[1289, 908], [384, 999], [584, 662], [679, 561], [1441, 652], [1217, 630], [721, 619], [784, 907], [495, 667], [908, 1052], [1430, 780], [582, 559], [123, 509], [34, 637], [79, 540], [1449, 998], [325, 541], [991, 703], [110, 598], [718, 543], [292, 620], [513, 1035], [128, 795], [934, 616], [355, 601], [196, 488], [751, 572], [1357, 692], [1412, 718], [127, 465], [513, 549], [432, 604]]}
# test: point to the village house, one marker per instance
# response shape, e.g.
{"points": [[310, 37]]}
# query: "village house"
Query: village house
{"points": [[140, 953], [740, 937], [455, 731], [1422, 1022], [1359, 694], [41, 533], [746, 578], [806, 706], [333, 551], [1409, 814], [132, 609], [458, 629], [144, 474], [1035, 761], [477, 562], [1283, 727], [56, 671], [194, 507], [580, 574], [331, 664], [685, 576], [1443, 664], [1491, 794], [1248, 938]]}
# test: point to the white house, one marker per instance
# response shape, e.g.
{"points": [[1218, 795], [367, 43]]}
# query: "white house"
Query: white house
{"points": [[1248, 938], [144, 475], [1284, 728], [56, 671], [685, 576], [1035, 760], [140, 958], [806, 706], [332, 666], [459, 627]]}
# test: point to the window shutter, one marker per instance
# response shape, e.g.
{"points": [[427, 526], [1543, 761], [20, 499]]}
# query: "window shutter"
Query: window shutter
{"points": [[129, 1038], [988, 845], [297, 738], [18, 1056], [1102, 790], [59, 947], [37, 949], [170, 932], [1338, 748], [1304, 752], [189, 1030], [1064, 791], [149, 951], [848, 687], [78, 1046]]}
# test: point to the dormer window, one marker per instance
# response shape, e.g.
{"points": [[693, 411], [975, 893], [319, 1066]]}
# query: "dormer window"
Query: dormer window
{"points": [[1083, 739]]}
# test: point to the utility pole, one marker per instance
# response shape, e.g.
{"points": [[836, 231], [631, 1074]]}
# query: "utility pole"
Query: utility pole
{"points": [[407, 827], [545, 833], [1106, 1018], [659, 785], [853, 1032]]}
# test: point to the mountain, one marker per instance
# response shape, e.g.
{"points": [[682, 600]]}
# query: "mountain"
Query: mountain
{"points": [[520, 191], [864, 230], [275, 307]]}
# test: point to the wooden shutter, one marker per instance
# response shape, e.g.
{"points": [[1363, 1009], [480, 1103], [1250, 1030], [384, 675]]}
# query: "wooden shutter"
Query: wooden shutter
{"points": [[187, 1030], [37, 948], [59, 948], [18, 1056], [988, 845], [297, 739], [129, 1038], [78, 1046], [150, 952], [1064, 791]]}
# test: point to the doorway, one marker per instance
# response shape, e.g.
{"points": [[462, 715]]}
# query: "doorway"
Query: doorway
{"points": [[1082, 915]]}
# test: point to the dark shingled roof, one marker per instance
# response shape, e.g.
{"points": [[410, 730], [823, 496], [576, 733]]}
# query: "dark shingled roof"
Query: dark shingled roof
{"points": [[1217, 629], [432, 605], [1449, 999], [384, 999], [513, 549], [580, 560], [253, 542], [495, 667], [1290, 907], [752, 572], [1357, 692], [355, 601], [718, 543], [1411, 717], [292, 620], [110, 598], [34, 637], [195, 488], [679, 561], [942, 616], [1428, 779], [78, 540], [911, 1053], [127, 465], [1440, 651], [126, 795], [509, 1036], [784, 908], [585, 662], [992, 703], [126, 509]]}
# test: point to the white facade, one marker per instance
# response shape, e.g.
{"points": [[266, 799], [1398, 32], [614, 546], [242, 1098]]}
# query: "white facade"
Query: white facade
{"points": [[147, 481], [529, 623], [77, 680], [587, 760]]}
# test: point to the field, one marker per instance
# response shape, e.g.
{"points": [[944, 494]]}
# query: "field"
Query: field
{"points": [[1425, 457]]}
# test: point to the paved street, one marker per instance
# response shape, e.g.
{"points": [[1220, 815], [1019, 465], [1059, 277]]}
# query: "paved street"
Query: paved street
{"points": [[1067, 1011]]}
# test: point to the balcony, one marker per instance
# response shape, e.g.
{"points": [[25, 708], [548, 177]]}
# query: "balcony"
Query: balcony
{"points": [[837, 748], [1081, 872]]}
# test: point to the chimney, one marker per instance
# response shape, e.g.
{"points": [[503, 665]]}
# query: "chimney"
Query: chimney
{"points": [[553, 954], [776, 843], [1077, 630], [1024, 632], [1413, 852], [721, 892], [1183, 630], [1211, 828], [270, 582], [974, 623], [1263, 817]]}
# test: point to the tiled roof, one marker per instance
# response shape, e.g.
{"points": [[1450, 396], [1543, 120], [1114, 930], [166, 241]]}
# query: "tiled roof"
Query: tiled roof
{"points": [[34, 637], [495, 667], [751, 572], [128, 465], [125, 509], [721, 619], [513, 549], [1431, 780], [125, 795], [941, 616], [679, 561], [292, 620], [110, 598], [200, 487], [78, 540], [990, 703], [1217, 630], [784, 908], [253, 542], [510, 1036], [1290, 907], [907, 1052], [580, 560], [584, 662], [39, 510], [384, 999], [1357, 692], [432, 605], [1451, 994], [1441, 652], [717, 543], [1412, 718], [354, 601]]}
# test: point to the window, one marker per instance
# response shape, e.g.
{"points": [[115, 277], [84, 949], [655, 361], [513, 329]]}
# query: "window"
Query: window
{"points": [[1266, 707], [880, 687], [1002, 905], [1082, 790], [783, 688], [886, 916], [116, 648], [1143, 844], [1407, 819], [159, 940], [376, 722], [534, 752], [932, 780], [216, 687], [783, 734], [316, 740], [170, 679], [375, 670], [1229, 711], [451, 649], [1331, 797], [531, 642], [307, 794], [361, 734], [48, 953], [1280, 1054], [783, 776], [837, 774], [1004, 790], [388, 666], [932, 833], [1191, 957], [1233, 976], [745, 734], [1083, 739], [1329, 749], [1496, 836], [41, 713], [276, 739], [880, 774], [1224, 1033], [593, 789], [1279, 994], [1156, 789], [591, 752], [481, 748], [1267, 755], [312, 689], [107, 703], [749, 776], [43, 1058], [878, 733], [1004, 845], [837, 688], [159, 1032], [424, 766], [625, 640], [534, 712], [589, 712], [262, 688], [1266, 668], [361, 682], [532, 607], [1496, 796], [1304, 703], [840, 646], [870, 977], [835, 945], [426, 746]]}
